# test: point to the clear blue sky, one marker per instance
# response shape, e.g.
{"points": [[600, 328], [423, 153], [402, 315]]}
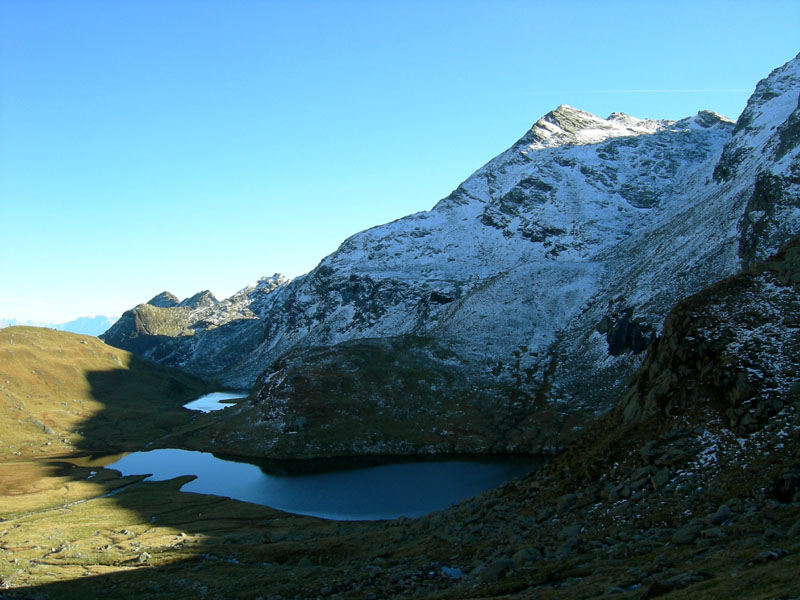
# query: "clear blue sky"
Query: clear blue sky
{"points": [[173, 145]]}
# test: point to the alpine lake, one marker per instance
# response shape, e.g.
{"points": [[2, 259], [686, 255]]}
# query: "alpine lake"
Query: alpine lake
{"points": [[339, 489]]}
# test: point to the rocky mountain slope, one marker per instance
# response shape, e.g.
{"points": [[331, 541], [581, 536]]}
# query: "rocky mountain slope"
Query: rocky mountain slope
{"points": [[200, 334], [516, 307], [688, 488]]}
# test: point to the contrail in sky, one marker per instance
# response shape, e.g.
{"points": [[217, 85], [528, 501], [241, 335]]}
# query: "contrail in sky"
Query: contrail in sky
{"points": [[694, 91]]}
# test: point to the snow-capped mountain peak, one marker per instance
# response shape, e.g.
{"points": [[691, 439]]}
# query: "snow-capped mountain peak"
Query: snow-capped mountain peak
{"points": [[566, 125], [526, 297]]}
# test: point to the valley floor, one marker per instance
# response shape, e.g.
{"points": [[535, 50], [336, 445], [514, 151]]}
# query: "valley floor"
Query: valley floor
{"points": [[671, 494], [628, 525]]}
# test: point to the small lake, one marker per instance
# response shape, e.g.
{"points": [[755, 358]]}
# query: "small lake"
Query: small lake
{"points": [[214, 401], [379, 491]]}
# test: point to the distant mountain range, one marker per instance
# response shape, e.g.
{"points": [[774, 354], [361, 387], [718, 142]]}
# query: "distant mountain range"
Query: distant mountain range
{"points": [[84, 325], [516, 309]]}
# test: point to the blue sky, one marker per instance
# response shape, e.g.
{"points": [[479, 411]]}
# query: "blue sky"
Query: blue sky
{"points": [[173, 145]]}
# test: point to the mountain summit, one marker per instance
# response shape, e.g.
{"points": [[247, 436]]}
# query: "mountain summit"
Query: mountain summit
{"points": [[567, 125], [516, 307]]}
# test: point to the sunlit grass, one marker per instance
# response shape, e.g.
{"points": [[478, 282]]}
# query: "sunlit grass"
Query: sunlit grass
{"points": [[62, 392]]}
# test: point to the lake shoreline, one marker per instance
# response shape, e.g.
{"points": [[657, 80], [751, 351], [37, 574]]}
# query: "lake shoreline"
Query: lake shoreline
{"points": [[340, 490]]}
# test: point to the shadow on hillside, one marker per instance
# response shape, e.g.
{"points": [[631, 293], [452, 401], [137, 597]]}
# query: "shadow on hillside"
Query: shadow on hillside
{"points": [[141, 404], [149, 540], [99, 534]]}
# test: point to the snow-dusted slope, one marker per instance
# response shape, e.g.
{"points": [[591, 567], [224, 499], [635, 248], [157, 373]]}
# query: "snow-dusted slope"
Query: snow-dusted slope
{"points": [[738, 210], [762, 158], [510, 254], [519, 303]]}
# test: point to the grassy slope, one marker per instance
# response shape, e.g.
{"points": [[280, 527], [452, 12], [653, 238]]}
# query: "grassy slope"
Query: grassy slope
{"points": [[62, 392]]}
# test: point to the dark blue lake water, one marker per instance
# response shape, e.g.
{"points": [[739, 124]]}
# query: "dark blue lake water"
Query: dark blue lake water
{"points": [[384, 491]]}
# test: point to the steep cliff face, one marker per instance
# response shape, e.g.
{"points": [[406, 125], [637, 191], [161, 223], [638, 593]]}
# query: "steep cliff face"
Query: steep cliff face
{"points": [[524, 299], [764, 151]]}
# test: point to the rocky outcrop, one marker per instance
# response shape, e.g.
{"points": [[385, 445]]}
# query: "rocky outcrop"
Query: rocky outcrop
{"points": [[197, 333], [164, 300], [734, 347], [764, 149]]}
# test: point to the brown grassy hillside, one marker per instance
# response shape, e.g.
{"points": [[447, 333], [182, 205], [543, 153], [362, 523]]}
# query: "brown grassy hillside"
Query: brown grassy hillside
{"points": [[61, 392]]}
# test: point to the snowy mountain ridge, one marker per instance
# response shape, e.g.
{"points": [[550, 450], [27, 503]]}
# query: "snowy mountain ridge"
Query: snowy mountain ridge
{"points": [[522, 213], [567, 125], [522, 300]]}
